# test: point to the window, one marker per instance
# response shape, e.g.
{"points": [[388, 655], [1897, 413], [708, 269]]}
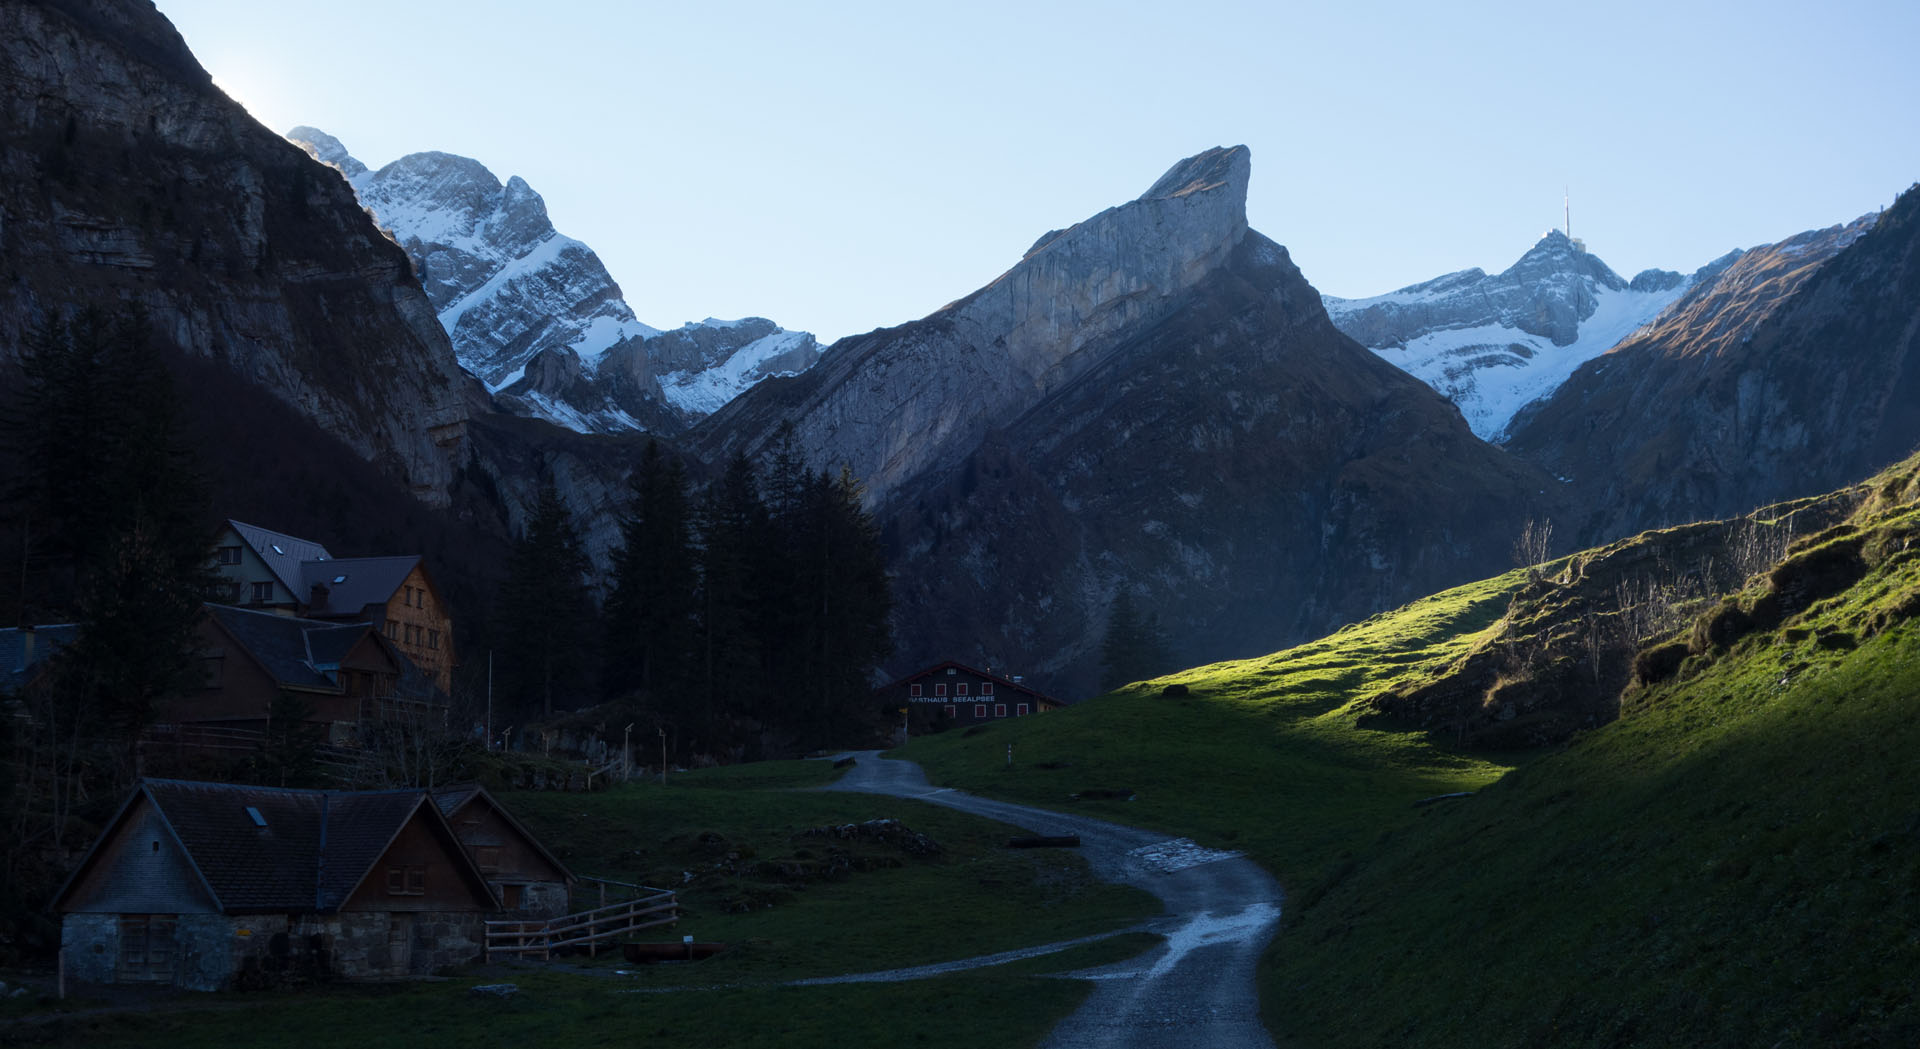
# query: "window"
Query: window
{"points": [[510, 896], [234, 589], [406, 881], [986, 688], [960, 688], [979, 710], [950, 710], [1020, 710], [487, 857], [262, 593], [940, 690], [433, 639], [408, 599], [229, 555], [392, 630], [999, 710], [913, 690]]}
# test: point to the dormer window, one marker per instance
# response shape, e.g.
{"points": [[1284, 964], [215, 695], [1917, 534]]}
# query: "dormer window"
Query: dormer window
{"points": [[254, 815]]}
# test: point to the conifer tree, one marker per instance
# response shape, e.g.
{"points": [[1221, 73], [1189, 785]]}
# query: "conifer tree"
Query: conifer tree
{"points": [[544, 612], [116, 490], [846, 604], [734, 541], [650, 611]]}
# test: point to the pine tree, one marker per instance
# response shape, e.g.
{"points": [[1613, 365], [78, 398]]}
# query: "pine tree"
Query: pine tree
{"points": [[846, 603], [544, 613], [734, 543], [650, 611], [123, 505]]}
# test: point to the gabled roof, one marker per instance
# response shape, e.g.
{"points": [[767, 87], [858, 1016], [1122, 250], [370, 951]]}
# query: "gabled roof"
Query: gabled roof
{"points": [[308, 852], [452, 799], [282, 553], [16, 664], [298, 653], [352, 583], [997, 679]]}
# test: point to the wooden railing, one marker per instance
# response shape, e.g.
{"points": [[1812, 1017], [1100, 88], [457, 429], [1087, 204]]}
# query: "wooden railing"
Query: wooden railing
{"points": [[584, 929]]}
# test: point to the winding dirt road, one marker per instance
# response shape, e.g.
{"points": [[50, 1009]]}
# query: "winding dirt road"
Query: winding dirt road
{"points": [[1197, 989]]}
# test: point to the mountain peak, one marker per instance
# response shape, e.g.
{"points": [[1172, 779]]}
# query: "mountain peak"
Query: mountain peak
{"points": [[1221, 168], [327, 150]]}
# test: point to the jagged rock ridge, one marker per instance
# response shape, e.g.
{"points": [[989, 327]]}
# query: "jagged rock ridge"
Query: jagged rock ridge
{"points": [[535, 314]]}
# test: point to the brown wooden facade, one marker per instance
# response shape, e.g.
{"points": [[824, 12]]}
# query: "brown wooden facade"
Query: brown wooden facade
{"points": [[528, 880], [348, 673]]}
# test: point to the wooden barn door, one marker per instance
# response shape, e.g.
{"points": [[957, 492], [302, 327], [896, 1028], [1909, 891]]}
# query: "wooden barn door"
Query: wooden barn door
{"points": [[146, 948]]}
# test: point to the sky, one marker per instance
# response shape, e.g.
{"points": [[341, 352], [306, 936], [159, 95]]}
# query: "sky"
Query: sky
{"points": [[839, 167]]}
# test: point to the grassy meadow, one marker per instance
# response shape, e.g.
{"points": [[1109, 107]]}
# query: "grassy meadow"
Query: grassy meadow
{"points": [[789, 906], [1734, 862]]}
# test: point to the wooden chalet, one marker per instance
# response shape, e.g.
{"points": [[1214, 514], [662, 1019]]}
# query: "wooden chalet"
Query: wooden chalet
{"points": [[349, 672], [529, 881], [210, 885], [267, 570], [953, 694]]}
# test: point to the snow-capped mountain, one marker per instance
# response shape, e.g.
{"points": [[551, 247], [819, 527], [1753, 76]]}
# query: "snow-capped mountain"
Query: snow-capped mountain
{"points": [[535, 315], [1494, 344]]}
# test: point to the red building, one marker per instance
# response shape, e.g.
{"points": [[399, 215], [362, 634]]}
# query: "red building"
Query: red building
{"points": [[953, 694]]}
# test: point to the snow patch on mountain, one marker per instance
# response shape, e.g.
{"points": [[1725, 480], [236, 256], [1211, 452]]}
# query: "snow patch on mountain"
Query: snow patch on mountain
{"points": [[534, 314], [703, 392], [1491, 371], [1494, 344]]}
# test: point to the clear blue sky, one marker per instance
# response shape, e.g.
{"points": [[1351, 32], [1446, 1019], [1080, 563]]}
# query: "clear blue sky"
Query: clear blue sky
{"points": [[842, 166]]}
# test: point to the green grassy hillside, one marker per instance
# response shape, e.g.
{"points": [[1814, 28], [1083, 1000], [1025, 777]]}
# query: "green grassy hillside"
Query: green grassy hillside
{"points": [[1734, 861]]}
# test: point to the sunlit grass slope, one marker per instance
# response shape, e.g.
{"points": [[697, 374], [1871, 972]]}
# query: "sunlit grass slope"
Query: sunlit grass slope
{"points": [[1264, 755], [1735, 862]]}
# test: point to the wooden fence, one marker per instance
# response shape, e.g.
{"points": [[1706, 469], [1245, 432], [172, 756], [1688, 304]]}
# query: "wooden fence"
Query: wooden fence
{"points": [[646, 910]]}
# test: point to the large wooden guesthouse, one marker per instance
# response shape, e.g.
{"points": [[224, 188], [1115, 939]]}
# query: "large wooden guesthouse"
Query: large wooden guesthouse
{"points": [[954, 694]]}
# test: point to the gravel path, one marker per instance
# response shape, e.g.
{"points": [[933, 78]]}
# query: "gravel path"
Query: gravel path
{"points": [[1222, 909]]}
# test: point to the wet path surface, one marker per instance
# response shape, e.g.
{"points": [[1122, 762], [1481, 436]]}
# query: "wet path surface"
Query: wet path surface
{"points": [[1195, 990]]}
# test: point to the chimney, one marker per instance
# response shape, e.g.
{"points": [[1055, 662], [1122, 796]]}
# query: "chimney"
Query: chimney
{"points": [[27, 636]]}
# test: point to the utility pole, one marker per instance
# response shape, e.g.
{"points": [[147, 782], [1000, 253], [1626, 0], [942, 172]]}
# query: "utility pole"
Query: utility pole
{"points": [[626, 753], [663, 757], [489, 736]]}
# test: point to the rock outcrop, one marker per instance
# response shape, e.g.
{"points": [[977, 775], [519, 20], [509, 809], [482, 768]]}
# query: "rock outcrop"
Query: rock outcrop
{"points": [[127, 179], [1795, 370]]}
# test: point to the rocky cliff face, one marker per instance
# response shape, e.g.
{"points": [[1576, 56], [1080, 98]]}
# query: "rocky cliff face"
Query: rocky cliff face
{"points": [[535, 314], [1494, 344], [1153, 400], [896, 402], [128, 179], [1792, 372]]}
